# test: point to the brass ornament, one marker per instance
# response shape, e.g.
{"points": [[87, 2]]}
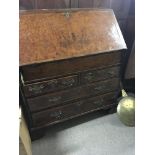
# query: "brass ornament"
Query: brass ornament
{"points": [[126, 109]]}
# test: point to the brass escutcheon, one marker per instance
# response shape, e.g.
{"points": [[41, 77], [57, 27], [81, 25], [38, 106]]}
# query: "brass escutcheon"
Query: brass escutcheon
{"points": [[67, 14]]}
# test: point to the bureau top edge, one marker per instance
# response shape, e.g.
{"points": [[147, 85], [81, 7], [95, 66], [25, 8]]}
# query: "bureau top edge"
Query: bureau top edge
{"points": [[75, 57], [22, 12]]}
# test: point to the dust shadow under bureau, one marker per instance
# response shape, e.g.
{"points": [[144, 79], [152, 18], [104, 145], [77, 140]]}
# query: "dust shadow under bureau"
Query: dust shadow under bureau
{"points": [[50, 131]]}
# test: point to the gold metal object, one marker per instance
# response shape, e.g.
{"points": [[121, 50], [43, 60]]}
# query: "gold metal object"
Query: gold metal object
{"points": [[67, 14], [126, 109]]}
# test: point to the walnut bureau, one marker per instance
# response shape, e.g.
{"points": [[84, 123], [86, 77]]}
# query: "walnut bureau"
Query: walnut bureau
{"points": [[70, 64]]}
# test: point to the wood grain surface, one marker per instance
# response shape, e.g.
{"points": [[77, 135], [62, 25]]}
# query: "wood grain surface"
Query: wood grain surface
{"points": [[47, 35], [66, 96], [77, 108]]}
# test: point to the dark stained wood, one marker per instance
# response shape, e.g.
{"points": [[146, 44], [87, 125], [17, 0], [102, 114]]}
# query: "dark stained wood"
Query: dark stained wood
{"points": [[50, 85], [55, 99], [70, 63], [51, 35], [36, 134], [57, 84], [113, 109], [100, 74], [63, 112], [53, 4], [38, 72]]}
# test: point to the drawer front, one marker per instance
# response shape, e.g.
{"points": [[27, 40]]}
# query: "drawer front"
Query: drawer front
{"points": [[49, 86], [53, 99], [37, 72], [71, 110], [101, 74]]}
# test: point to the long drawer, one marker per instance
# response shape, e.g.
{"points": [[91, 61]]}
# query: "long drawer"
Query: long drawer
{"points": [[38, 72], [53, 99], [63, 112]]}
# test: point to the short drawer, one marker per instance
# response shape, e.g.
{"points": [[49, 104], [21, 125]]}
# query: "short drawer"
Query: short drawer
{"points": [[71, 110], [50, 85], [66, 96], [101, 74]]}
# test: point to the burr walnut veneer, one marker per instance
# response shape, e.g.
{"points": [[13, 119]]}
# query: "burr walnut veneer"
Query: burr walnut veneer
{"points": [[70, 63]]}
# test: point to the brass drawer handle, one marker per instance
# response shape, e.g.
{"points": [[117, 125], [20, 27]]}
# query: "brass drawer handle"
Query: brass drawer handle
{"points": [[69, 82], [111, 72], [39, 88], [89, 76], [99, 88], [67, 14], [53, 82], [36, 89], [79, 104], [54, 99], [98, 102], [56, 114]]}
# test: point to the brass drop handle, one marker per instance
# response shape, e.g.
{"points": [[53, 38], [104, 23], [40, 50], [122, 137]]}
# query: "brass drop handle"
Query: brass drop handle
{"points": [[52, 82], [79, 104], [68, 82], [56, 114], [99, 88], [111, 72], [89, 76], [36, 88], [67, 14], [39, 88], [98, 102], [54, 99]]}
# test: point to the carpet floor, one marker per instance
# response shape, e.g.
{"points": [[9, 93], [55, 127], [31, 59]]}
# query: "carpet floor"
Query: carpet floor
{"points": [[92, 134]]}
